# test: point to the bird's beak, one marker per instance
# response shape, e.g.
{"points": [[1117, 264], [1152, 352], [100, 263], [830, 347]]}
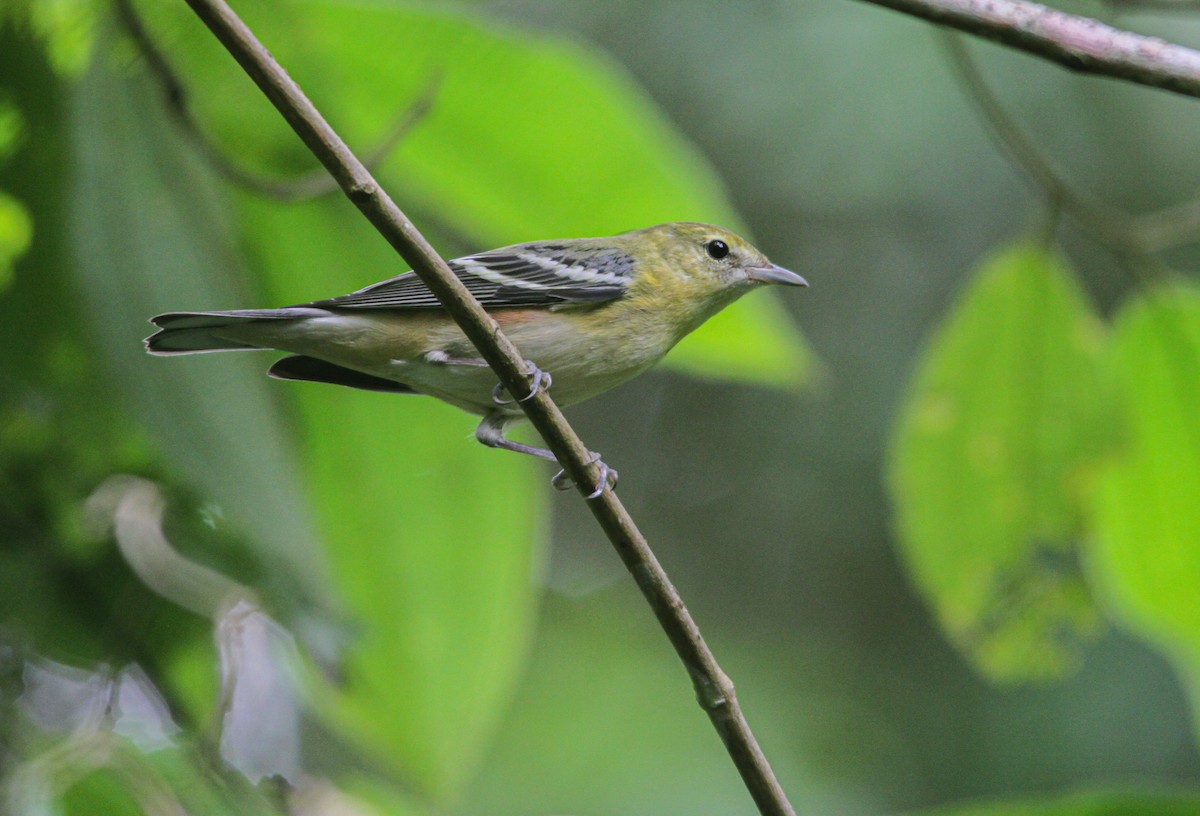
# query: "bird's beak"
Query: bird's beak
{"points": [[775, 274]]}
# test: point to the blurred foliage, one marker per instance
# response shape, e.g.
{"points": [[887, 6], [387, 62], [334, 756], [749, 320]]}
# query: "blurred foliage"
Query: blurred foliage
{"points": [[997, 475], [442, 613], [487, 165], [1146, 507], [453, 586], [1006, 415], [1044, 467]]}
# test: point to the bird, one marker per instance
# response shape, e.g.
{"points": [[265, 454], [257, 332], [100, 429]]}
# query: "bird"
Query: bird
{"points": [[588, 313]]}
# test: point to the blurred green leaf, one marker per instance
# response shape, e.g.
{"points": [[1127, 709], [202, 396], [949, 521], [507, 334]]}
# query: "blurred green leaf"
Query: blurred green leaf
{"points": [[432, 537], [1005, 414], [435, 562], [1146, 510], [69, 30], [149, 235], [63, 430], [101, 793], [529, 137], [16, 231], [169, 780], [1105, 803]]}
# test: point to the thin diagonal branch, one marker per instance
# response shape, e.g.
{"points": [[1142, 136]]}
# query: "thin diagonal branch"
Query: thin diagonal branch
{"points": [[713, 688], [1078, 43], [306, 186]]}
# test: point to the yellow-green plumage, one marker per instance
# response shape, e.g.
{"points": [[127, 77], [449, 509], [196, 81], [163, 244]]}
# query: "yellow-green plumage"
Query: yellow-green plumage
{"points": [[593, 312]]}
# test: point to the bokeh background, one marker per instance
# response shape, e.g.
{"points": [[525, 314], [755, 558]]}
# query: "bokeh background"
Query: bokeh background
{"points": [[446, 635]]}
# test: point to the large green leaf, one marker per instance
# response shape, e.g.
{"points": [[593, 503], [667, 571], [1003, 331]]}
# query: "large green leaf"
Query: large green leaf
{"points": [[1146, 513], [16, 231], [1004, 417], [150, 235], [529, 137], [433, 537]]}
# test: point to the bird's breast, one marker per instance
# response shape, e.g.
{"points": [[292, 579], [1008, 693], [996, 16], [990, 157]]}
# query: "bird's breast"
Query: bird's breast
{"points": [[586, 353]]}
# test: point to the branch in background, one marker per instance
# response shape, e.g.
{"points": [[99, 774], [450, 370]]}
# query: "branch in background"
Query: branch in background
{"points": [[713, 688], [307, 186], [1129, 234], [1078, 43], [1132, 239], [1024, 153]]}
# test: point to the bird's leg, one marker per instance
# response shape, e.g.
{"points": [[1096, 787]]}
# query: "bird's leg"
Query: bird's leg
{"points": [[490, 432]]}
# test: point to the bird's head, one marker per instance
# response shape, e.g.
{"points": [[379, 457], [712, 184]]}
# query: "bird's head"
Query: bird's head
{"points": [[701, 264], [706, 254]]}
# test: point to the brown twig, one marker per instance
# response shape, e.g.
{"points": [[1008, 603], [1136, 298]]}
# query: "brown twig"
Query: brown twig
{"points": [[306, 186], [713, 688], [1078, 43]]}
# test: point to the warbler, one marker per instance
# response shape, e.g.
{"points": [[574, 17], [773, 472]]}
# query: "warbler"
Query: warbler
{"points": [[589, 313]]}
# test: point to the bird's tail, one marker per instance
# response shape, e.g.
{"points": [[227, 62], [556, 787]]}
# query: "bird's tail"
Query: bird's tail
{"points": [[197, 332]]}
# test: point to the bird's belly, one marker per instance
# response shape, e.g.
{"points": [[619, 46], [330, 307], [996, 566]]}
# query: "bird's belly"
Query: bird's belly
{"points": [[582, 364], [583, 356]]}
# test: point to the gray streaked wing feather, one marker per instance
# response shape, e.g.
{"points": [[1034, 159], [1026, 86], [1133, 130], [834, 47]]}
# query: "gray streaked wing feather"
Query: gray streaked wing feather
{"points": [[522, 275]]}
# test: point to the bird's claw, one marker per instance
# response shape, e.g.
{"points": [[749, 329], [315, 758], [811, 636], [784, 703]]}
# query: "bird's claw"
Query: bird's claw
{"points": [[541, 381], [607, 480]]}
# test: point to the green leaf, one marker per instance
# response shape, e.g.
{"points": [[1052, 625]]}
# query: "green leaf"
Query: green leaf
{"points": [[149, 236], [1104, 803], [529, 137], [438, 559], [69, 29], [1004, 417], [16, 231], [432, 537], [1146, 511]]}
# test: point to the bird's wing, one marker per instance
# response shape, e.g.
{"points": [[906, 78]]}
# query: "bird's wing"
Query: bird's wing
{"points": [[522, 275]]}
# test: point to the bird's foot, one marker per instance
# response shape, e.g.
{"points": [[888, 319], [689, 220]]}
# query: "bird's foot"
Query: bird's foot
{"points": [[607, 480], [541, 382]]}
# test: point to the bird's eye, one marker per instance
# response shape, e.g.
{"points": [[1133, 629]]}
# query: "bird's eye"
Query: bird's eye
{"points": [[716, 249]]}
